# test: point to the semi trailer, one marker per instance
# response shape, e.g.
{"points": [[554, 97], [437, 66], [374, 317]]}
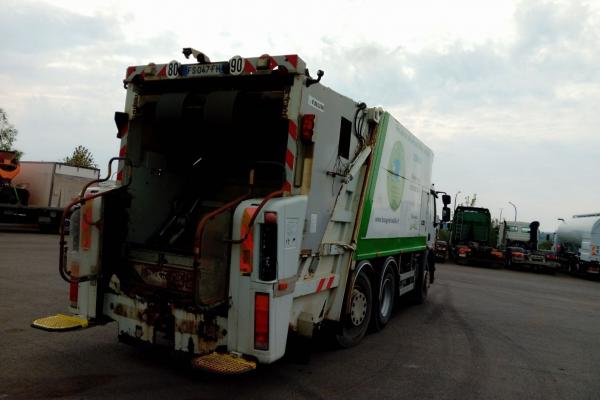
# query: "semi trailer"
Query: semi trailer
{"points": [[577, 244], [33, 194], [252, 203]]}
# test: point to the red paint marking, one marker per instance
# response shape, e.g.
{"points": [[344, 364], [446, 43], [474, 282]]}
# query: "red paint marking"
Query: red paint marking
{"points": [[119, 176], [130, 71], [292, 59], [287, 187], [249, 68], [289, 159], [163, 71], [272, 63], [123, 151], [320, 286], [330, 282], [293, 130]]}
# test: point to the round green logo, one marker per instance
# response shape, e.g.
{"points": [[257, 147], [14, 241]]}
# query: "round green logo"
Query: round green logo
{"points": [[395, 176]]}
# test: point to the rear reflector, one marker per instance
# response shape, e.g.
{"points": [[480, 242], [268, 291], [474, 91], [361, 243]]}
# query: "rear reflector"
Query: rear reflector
{"points": [[86, 228], [307, 126], [74, 285], [261, 321], [247, 247]]}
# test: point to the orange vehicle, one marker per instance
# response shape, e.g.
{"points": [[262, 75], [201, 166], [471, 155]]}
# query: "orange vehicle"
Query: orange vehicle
{"points": [[9, 169]]}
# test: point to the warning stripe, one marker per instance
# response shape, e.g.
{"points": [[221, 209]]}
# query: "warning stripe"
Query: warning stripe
{"points": [[289, 159], [291, 154], [122, 153], [293, 130], [322, 283], [249, 68], [291, 62]]}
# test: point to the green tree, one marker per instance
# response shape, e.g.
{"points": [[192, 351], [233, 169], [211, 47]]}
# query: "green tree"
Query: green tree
{"points": [[81, 157], [8, 134]]}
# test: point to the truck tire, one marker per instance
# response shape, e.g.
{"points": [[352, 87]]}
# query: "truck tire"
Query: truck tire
{"points": [[354, 325], [385, 295], [419, 293]]}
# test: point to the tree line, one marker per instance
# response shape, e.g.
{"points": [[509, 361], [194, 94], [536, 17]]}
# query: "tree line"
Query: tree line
{"points": [[81, 156]]}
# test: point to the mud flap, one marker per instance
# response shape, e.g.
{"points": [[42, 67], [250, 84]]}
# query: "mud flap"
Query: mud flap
{"points": [[60, 323], [223, 364]]}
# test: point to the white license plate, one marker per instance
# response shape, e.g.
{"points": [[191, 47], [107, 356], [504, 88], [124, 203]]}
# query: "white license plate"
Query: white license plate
{"points": [[462, 255], [204, 70]]}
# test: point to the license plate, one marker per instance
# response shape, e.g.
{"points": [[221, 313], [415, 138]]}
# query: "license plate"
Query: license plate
{"points": [[198, 70], [537, 258], [44, 219], [593, 269], [462, 255]]}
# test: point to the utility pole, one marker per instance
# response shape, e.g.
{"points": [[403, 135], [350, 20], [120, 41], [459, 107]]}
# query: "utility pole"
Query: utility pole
{"points": [[515, 209]]}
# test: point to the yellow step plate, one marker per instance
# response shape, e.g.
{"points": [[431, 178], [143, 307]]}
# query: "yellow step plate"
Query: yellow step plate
{"points": [[225, 364], [60, 322]]}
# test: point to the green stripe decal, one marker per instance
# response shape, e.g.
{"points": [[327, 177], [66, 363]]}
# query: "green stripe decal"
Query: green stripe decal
{"points": [[372, 248]]}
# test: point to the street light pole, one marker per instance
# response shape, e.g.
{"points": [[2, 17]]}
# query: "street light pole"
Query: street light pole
{"points": [[515, 209], [455, 196]]}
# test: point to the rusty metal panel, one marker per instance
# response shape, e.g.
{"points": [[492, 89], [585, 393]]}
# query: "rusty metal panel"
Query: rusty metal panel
{"points": [[214, 262]]}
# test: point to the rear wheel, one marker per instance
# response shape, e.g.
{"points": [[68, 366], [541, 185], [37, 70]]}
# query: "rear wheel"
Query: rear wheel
{"points": [[386, 295], [354, 324], [419, 293]]}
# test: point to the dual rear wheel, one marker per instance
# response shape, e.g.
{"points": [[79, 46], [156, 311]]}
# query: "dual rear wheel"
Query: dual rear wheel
{"points": [[372, 299]]}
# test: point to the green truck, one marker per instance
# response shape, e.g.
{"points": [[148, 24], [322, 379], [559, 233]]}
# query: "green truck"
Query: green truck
{"points": [[470, 237]]}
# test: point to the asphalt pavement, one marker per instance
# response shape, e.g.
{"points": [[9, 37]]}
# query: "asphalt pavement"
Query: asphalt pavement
{"points": [[483, 334]]}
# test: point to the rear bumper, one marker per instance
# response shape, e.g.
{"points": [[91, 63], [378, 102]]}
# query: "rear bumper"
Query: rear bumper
{"points": [[182, 331]]}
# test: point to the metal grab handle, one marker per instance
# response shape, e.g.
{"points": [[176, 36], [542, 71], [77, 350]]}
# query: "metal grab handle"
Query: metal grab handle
{"points": [[62, 256]]}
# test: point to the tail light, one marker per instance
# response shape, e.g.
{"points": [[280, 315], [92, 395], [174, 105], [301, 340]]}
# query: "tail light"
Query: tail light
{"points": [[261, 321], [247, 251], [74, 285], [463, 250], [267, 270], [308, 126], [86, 228], [551, 257], [518, 254]]}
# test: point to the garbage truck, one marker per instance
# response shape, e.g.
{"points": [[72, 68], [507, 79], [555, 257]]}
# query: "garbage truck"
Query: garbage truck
{"points": [[253, 204]]}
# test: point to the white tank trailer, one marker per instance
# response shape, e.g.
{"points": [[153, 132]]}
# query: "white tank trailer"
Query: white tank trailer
{"points": [[577, 243]]}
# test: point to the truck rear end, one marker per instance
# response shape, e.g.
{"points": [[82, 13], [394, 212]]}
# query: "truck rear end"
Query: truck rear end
{"points": [[470, 237], [252, 201]]}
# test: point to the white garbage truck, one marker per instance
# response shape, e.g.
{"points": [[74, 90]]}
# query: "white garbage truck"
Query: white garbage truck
{"points": [[253, 203]]}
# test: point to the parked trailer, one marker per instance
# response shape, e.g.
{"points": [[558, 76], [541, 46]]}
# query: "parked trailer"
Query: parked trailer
{"points": [[253, 202], [37, 193], [577, 244]]}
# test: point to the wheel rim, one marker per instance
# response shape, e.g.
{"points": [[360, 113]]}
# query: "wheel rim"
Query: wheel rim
{"points": [[359, 307], [387, 294]]}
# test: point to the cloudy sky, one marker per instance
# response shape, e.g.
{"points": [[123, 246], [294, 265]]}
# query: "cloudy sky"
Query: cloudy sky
{"points": [[507, 94]]}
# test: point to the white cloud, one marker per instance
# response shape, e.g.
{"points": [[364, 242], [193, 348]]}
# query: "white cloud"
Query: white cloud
{"points": [[505, 93]]}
